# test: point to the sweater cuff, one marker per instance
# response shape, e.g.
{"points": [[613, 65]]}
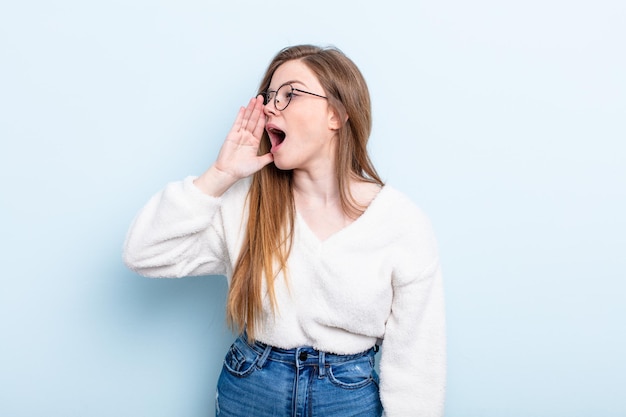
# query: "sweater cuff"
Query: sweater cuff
{"points": [[190, 188]]}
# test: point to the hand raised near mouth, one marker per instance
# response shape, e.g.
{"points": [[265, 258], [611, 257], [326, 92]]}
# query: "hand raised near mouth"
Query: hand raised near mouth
{"points": [[238, 158]]}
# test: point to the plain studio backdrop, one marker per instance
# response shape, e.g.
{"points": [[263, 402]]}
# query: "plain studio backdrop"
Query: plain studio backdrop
{"points": [[503, 120]]}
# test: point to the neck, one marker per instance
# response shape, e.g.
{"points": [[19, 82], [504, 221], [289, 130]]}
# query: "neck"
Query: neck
{"points": [[320, 187]]}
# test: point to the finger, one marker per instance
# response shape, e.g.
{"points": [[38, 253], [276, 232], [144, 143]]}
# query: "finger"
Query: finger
{"points": [[247, 114], [238, 120], [258, 118], [265, 159]]}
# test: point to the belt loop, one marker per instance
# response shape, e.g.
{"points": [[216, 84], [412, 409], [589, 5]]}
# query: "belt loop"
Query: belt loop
{"points": [[322, 364], [263, 357]]}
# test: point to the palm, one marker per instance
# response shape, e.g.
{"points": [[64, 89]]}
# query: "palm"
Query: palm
{"points": [[239, 153]]}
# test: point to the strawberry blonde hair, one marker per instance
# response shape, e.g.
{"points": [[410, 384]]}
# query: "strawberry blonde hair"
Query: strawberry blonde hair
{"points": [[271, 210]]}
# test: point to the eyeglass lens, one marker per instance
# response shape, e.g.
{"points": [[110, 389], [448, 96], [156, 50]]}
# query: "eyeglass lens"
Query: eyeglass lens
{"points": [[281, 97]]}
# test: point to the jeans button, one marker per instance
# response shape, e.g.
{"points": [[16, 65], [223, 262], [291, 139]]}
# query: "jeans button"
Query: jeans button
{"points": [[303, 356]]}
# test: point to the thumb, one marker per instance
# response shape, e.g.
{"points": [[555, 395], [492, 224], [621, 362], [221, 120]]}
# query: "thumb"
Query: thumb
{"points": [[265, 159]]}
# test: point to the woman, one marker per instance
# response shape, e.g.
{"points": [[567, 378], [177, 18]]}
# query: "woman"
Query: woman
{"points": [[323, 260]]}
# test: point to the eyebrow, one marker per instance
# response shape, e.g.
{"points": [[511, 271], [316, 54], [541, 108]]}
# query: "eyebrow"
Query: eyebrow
{"points": [[289, 82]]}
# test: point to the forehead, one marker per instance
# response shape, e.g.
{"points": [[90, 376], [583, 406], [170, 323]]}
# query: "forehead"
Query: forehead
{"points": [[295, 72]]}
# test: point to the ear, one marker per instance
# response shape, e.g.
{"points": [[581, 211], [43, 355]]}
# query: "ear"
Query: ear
{"points": [[335, 120]]}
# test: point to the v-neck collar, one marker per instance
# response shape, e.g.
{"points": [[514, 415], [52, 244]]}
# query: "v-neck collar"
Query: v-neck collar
{"points": [[344, 230]]}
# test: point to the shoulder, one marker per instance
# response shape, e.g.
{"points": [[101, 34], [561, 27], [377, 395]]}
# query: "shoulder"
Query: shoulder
{"points": [[401, 210], [407, 226], [364, 192]]}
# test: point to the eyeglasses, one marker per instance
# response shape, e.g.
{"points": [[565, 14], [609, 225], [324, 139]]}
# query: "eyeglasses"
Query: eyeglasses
{"points": [[282, 97]]}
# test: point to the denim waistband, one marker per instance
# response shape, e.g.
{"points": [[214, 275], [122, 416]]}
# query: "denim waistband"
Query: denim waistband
{"points": [[301, 355]]}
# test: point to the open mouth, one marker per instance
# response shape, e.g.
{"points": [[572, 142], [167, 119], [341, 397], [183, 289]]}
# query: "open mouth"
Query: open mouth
{"points": [[276, 135]]}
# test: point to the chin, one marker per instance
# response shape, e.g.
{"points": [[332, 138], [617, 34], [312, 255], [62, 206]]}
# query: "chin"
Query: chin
{"points": [[282, 166], [285, 164]]}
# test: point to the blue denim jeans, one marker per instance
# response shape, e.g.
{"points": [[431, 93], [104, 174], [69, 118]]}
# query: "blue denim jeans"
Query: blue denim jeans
{"points": [[261, 381]]}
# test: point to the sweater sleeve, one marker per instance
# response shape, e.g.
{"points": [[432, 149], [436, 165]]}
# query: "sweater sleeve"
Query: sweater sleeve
{"points": [[413, 359], [180, 232]]}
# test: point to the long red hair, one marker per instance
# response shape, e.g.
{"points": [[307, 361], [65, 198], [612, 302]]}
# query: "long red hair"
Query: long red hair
{"points": [[271, 212]]}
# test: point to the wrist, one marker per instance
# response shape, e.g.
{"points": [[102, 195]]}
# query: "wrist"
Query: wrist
{"points": [[214, 181]]}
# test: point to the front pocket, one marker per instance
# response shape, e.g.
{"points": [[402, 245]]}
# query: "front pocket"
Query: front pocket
{"points": [[352, 374], [238, 363]]}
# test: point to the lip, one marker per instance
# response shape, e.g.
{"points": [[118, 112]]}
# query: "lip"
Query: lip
{"points": [[276, 134]]}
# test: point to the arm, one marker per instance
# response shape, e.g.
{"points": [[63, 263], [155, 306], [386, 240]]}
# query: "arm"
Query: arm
{"points": [[178, 233], [413, 362], [181, 231]]}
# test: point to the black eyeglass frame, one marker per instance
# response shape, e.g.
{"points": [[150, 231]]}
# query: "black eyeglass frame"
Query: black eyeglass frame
{"points": [[266, 95]]}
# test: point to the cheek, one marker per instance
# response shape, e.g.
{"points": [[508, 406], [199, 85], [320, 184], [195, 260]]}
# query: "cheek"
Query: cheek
{"points": [[314, 122]]}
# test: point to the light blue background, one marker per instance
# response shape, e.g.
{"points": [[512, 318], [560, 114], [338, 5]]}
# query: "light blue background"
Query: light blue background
{"points": [[504, 120]]}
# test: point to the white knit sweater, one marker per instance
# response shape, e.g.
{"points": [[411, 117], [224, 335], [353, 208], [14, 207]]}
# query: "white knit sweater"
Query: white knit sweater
{"points": [[378, 278]]}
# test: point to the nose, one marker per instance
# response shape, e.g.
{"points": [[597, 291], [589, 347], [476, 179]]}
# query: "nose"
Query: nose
{"points": [[270, 109]]}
